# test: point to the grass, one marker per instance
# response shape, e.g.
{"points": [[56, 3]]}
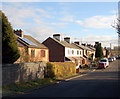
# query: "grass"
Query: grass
{"points": [[20, 88], [66, 76]]}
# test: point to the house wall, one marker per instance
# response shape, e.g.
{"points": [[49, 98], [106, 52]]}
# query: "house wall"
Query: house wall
{"points": [[37, 56], [104, 52], [25, 55], [56, 51], [93, 55], [68, 52], [22, 57]]}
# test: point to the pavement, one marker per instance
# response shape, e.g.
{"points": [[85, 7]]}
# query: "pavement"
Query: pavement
{"points": [[82, 72]]}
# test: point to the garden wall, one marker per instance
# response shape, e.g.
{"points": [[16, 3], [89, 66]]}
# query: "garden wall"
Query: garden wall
{"points": [[22, 72]]}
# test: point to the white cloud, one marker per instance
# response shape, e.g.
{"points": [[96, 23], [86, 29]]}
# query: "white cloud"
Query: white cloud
{"points": [[85, 30], [105, 40], [44, 13], [114, 12], [40, 33], [79, 22], [59, 23], [29, 19], [60, 1], [97, 21], [68, 18]]}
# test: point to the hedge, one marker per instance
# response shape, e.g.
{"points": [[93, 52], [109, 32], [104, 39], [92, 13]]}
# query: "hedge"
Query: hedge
{"points": [[60, 69]]}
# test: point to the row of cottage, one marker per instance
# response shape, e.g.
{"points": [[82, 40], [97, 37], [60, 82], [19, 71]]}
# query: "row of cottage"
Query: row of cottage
{"points": [[53, 49]]}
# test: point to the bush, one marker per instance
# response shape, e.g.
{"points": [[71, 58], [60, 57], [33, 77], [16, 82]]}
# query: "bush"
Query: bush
{"points": [[85, 66], [60, 69], [94, 64], [50, 70]]}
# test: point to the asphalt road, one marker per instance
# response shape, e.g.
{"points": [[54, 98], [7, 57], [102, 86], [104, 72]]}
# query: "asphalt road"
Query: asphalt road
{"points": [[100, 83]]}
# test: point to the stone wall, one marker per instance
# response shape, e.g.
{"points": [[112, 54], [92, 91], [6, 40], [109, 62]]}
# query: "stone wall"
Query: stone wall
{"points": [[22, 72]]}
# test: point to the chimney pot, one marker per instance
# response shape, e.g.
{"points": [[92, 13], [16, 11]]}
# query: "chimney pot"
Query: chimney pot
{"points": [[19, 32], [67, 39], [77, 42], [57, 37], [84, 44]]}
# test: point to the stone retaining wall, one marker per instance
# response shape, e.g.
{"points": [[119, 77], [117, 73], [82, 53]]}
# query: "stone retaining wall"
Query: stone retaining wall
{"points": [[22, 72]]}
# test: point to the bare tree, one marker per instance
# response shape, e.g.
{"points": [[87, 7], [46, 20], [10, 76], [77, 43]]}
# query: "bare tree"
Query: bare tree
{"points": [[116, 24]]}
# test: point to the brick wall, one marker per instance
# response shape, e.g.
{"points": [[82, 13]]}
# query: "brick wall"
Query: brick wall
{"points": [[22, 72], [56, 50]]}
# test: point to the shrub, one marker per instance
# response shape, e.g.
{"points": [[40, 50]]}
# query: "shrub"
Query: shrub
{"points": [[94, 64], [50, 70], [60, 69], [85, 66]]}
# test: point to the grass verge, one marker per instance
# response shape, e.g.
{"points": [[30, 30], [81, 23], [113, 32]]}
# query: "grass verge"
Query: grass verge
{"points": [[66, 76], [21, 88]]}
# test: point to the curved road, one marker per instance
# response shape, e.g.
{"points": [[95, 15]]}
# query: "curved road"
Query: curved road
{"points": [[100, 83]]}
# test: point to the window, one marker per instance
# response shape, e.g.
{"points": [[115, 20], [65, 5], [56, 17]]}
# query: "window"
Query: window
{"points": [[42, 53], [80, 52], [72, 51], [32, 53], [77, 52]]}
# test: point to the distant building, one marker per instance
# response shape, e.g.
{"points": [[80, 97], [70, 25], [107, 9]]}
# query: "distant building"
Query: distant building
{"points": [[87, 51], [30, 49]]}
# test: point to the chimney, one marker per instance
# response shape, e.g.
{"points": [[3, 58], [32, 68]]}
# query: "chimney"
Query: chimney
{"points": [[89, 45], [67, 39], [19, 32], [92, 46], [57, 37], [96, 43], [77, 42], [84, 44]]}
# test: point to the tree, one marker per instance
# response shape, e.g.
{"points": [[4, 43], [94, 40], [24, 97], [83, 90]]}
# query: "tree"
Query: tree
{"points": [[10, 51], [107, 53], [117, 26], [99, 51]]}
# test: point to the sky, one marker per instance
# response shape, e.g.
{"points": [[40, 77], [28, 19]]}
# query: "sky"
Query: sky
{"points": [[86, 22]]}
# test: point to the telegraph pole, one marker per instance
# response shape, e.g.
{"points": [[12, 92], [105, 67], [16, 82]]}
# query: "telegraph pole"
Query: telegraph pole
{"points": [[110, 47]]}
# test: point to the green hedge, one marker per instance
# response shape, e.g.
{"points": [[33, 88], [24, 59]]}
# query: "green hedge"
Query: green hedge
{"points": [[60, 69]]}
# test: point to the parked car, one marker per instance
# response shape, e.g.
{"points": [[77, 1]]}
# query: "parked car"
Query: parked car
{"points": [[110, 59], [105, 60], [101, 65], [118, 56], [113, 58]]}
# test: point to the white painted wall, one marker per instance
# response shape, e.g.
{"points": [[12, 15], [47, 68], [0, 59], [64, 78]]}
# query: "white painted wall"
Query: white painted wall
{"points": [[69, 54]]}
